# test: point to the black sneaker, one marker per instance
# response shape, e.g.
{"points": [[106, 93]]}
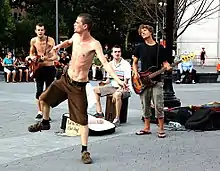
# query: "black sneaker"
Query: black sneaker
{"points": [[99, 115], [39, 117], [38, 127]]}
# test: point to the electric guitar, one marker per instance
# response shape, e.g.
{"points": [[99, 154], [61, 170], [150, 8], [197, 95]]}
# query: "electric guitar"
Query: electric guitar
{"points": [[145, 79]]}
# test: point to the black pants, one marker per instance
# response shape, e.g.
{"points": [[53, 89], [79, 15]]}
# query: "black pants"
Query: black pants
{"points": [[43, 75], [186, 73]]}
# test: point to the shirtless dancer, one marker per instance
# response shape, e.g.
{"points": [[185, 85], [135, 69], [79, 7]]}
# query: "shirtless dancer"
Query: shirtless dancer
{"points": [[72, 85], [42, 46]]}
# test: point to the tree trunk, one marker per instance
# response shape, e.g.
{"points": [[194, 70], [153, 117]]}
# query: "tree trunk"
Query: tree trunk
{"points": [[127, 36], [126, 39]]}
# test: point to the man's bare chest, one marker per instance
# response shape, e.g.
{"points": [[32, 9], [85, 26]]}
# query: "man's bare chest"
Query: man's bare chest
{"points": [[43, 47], [80, 50]]}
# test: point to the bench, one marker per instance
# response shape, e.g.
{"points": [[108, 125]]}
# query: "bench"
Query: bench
{"points": [[2, 77], [203, 77]]}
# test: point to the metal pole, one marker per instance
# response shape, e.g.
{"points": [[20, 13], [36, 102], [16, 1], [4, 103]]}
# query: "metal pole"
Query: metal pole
{"points": [[57, 23], [157, 30], [218, 43]]}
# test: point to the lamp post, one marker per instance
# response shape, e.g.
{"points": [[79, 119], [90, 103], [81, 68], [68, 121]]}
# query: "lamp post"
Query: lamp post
{"points": [[170, 99], [163, 5], [218, 36], [57, 23]]}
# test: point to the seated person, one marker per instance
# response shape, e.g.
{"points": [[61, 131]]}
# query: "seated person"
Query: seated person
{"points": [[1, 60], [186, 67], [96, 64], [62, 64], [9, 67], [123, 70], [218, 67], [22, 67]]}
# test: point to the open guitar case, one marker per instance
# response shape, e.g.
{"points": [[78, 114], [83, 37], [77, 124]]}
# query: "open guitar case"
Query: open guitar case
{"points": [[94, 129]]}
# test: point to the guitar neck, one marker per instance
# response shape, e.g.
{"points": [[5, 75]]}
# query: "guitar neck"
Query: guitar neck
{"points": [[154, 74], [157, 72]]}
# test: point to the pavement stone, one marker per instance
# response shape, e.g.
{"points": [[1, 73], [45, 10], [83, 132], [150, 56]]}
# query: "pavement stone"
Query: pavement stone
{"points": [[123, 150]]}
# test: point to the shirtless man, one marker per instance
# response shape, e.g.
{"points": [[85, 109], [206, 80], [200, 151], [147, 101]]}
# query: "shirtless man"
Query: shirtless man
{"points": [[42, 45], [72, 85]]}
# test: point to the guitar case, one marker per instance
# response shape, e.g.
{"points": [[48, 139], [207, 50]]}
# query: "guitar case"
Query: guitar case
{"points": [[94, 129]]}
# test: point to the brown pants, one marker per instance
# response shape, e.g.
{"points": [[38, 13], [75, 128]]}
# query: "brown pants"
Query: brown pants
{"points": [[75, 92]]}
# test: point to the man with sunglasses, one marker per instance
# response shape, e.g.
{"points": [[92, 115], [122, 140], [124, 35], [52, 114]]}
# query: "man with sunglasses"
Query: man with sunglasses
{"points": [[41, 45]]}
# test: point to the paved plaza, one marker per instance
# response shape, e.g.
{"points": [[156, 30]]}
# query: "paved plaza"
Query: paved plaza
{"points": [[123, 150]]}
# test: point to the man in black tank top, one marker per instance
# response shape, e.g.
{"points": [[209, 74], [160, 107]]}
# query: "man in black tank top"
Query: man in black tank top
{"points": [[202, 57], [151, 54]]}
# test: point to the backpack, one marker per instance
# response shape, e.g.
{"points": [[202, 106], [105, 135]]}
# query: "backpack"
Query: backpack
{"points": [[204, 120]]}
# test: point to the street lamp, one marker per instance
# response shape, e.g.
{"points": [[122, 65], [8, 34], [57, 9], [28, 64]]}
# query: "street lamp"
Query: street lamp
{"points": [[170, 99], [57, 23], [163, 5]]}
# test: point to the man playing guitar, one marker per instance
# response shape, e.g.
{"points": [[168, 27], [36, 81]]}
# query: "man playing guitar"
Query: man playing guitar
{"points": [[41, 46], [151, 54]]}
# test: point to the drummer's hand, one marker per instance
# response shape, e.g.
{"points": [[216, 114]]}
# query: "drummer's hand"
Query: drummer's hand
{"points": [[122, 84]]}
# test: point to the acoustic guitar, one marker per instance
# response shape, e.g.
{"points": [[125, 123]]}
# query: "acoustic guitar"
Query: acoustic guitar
{"points": [[34, 65], [145, 79]]}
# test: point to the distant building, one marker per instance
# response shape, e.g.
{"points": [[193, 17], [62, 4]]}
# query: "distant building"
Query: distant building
{"points": [[205, 33]]}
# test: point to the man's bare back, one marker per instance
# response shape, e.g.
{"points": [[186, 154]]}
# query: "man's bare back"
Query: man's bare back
{"points": [[82, 56], [41, 47]]}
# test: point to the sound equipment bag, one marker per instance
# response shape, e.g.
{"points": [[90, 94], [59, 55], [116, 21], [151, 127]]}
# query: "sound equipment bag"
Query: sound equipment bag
{"points": [[178, 114], [204, 120]]}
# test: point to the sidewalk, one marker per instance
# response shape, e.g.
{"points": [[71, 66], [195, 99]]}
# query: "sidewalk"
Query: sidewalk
{"points": [[121, 151]]}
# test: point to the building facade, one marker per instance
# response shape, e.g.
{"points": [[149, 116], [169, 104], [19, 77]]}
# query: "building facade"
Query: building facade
{"points": [[205, 33]]}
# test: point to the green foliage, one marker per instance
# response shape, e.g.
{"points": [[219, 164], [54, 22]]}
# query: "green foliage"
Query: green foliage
{"points": [[110, 20], [7, 26], [23, 34]]}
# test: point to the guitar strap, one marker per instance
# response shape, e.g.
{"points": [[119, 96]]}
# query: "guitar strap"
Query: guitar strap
{"points": [[46, 46], [158, 49]]}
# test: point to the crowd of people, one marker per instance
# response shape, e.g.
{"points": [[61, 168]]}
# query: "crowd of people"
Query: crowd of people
{"points": [[18, 69]]}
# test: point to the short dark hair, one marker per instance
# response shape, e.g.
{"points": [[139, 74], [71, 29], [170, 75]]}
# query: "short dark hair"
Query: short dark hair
{"points": [[86, 19], [116, 46], [145, 26], [40, 24]]}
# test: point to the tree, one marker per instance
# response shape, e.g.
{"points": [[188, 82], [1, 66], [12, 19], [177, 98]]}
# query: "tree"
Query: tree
{"points": [[201, 9], [153, 11], [7, 26]]}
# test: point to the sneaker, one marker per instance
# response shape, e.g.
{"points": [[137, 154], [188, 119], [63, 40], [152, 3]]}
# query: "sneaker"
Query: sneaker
{"points": [[38, 127], [116, 122], [86, 159], [99, 115], [193, 82], [39, 117]]}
